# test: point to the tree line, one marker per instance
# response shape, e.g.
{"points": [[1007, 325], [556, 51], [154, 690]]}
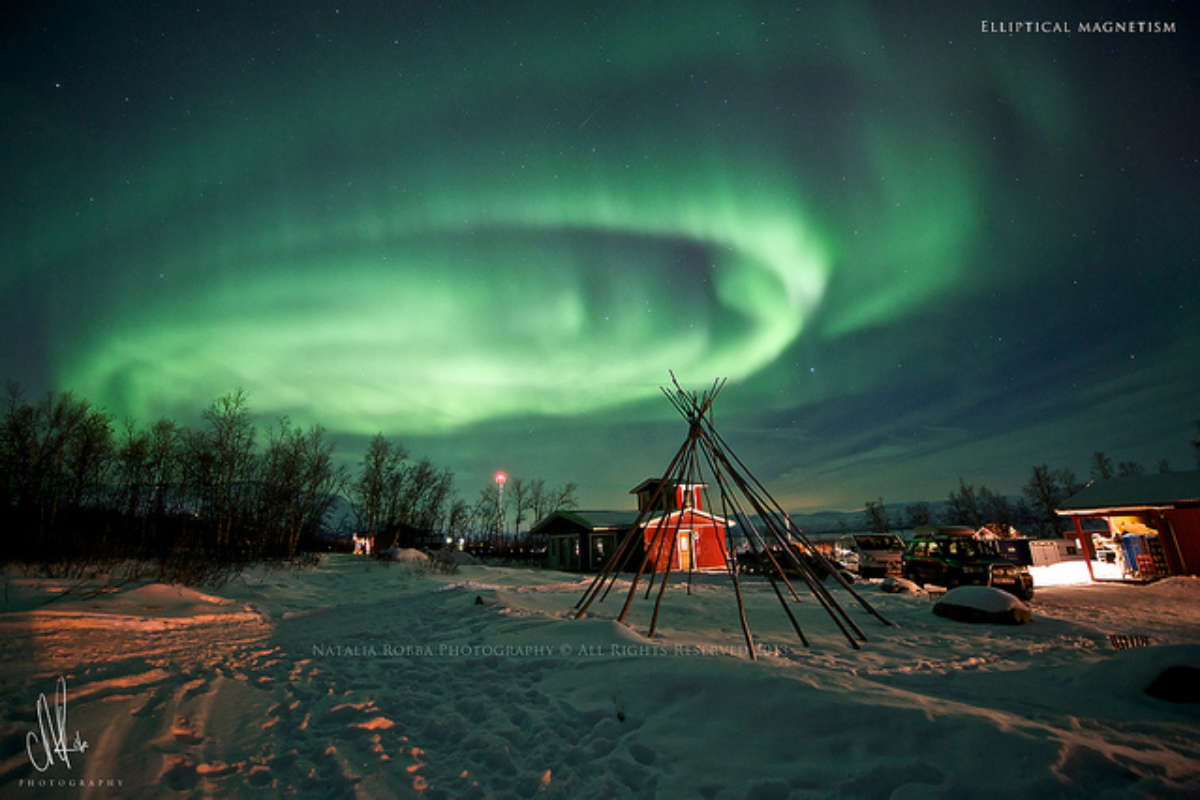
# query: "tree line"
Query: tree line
{"points": [[75, 486], [1033, 512], [399, 501], [525, 503]]}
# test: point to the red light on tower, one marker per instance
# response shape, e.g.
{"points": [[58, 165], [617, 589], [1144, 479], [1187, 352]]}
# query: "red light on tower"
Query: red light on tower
{"points": [[500, 479]]}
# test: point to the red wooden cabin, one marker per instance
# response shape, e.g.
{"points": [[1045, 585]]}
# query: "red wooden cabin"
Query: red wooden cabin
{"points": [[1160, 512], [691, 538]]}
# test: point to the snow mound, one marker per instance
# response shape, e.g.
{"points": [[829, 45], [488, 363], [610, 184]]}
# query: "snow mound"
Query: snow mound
{"points": [[407, 554], [163, 600], [1187, 581], [171, 594], [1157, 677], [982, 604], [893, 585]]}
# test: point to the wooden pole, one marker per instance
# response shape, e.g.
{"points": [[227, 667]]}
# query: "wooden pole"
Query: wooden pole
{"points": [[1085, 541], [659, 539], [749, 527], [663, 586], [693, 474], [818, 591], [820, 557], [625, 547], [822, 594], [633, 586], [758, 550], [731, 568], [729, 564]]}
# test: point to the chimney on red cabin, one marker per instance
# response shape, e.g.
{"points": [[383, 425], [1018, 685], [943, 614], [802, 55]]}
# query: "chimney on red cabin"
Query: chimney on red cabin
{"points": [[674, 495]]}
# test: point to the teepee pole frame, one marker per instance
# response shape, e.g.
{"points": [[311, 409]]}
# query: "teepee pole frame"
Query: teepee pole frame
{"points": [[690, 403], [741, 493]]}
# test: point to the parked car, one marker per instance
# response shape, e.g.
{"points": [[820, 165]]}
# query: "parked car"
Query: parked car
{"points": [[952, 559], [872, 555], [759, 564]]}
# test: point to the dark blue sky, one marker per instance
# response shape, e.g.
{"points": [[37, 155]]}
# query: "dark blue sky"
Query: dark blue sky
{"points": [[919, 251]]}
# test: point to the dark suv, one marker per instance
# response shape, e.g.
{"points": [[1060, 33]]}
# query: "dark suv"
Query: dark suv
{"points": [[950, 559]]}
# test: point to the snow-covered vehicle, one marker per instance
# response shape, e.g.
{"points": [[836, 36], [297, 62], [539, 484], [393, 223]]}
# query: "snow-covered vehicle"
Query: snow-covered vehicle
{"points": [[871, 555]]}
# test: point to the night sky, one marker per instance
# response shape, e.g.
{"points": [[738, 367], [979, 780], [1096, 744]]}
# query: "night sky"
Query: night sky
{"points": [[918, 251]]}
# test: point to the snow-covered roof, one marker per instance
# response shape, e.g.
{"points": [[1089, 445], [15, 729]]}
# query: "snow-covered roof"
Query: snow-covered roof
{"points": [[593, 520], [617, 520], [695, 512], [652, 483], [1161, 490]]}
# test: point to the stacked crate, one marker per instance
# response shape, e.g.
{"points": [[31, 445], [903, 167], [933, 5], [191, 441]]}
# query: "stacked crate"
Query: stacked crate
{"points": [[1144, 554], [1154, 545]]}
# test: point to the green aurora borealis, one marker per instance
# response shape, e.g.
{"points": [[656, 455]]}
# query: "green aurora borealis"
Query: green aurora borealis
{"points": [[917, 251]]}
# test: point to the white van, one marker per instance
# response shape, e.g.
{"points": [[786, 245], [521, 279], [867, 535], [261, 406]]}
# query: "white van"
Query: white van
{"points": [[871, 555]]}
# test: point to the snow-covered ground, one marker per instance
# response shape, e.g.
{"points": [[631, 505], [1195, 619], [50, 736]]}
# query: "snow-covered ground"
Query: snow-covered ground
{"points": [[357, 678]]}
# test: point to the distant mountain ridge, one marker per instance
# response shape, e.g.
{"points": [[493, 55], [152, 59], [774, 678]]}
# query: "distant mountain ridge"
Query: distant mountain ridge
{"points": [[827, 522]]}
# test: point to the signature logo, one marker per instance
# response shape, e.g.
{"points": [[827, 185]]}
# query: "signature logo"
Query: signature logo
{"points": [[50, 740]]}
